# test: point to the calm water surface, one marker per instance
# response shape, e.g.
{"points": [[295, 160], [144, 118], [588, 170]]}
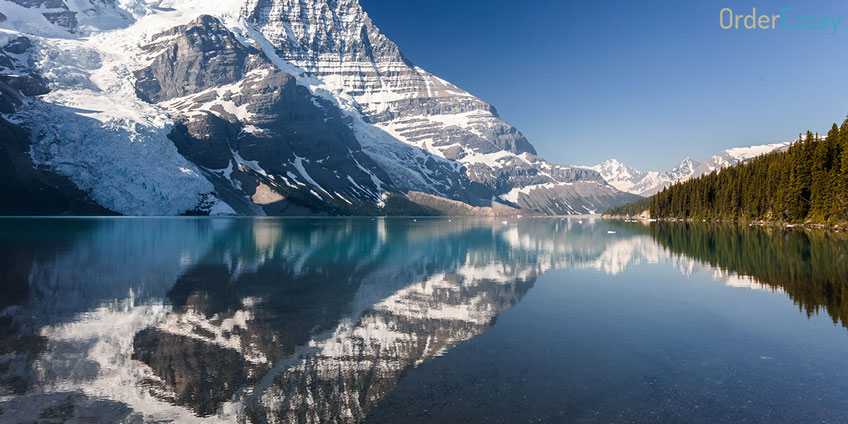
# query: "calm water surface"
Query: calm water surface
{"points": [[428, 320]]}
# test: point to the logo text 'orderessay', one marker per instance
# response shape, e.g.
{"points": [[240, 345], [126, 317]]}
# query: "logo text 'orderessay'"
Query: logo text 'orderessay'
{"points": [[786, 19]]}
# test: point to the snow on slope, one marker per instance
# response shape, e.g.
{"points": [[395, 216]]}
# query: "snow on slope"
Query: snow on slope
{"points": [[411, 168], [336, 43], [131, 166], [745, 153], [731, 157], [633, 181], [428, 134], [619, 175], [92, 127]]}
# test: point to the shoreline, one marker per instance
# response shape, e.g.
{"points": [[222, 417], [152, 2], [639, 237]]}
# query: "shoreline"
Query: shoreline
{"points": [[834, 228]]}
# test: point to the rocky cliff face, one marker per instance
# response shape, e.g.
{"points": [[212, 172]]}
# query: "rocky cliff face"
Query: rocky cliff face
{"points": [[262, 107], [338, 43], [238, 115]]}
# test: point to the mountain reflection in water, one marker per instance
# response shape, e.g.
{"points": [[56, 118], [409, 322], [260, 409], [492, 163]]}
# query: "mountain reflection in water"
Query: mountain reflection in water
{"points": [[311, 320]]}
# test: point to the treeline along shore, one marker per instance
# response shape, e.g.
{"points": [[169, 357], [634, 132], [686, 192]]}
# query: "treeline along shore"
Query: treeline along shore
{"points": [[805, 184]]}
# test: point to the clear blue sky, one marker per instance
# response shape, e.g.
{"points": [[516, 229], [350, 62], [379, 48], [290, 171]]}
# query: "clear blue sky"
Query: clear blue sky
{"points": [[646, 82]]}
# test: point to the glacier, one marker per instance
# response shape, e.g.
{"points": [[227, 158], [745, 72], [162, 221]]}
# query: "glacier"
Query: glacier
{"points": [[134, 154]]}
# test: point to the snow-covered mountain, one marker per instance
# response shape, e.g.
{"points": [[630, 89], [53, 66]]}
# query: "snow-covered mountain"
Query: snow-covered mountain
{"points": [[618, 174], [630, 180], [731, 157], [253, 107]]}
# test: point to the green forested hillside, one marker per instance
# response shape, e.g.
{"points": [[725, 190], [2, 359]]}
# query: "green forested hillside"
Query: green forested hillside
{"points": [[808, 183]]}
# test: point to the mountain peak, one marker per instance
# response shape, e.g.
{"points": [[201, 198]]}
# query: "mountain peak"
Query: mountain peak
{"points": [[617, 174], [627, 179], [266, 107]]}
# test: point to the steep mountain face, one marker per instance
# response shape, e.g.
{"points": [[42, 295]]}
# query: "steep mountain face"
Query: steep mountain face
{"points": [[645, 184], [261, 107], [338, 43], [240, 117]]}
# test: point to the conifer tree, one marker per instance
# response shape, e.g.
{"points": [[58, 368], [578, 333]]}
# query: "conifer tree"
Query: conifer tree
{"points": [[841, 194], [808, 182]]}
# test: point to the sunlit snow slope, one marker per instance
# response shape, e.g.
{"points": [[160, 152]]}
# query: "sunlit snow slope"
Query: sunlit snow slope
{"points": [[255, 107], [649, 183]]}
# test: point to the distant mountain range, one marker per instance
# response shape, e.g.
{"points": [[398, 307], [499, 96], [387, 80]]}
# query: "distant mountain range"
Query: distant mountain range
{"points": [[251, 107], [630, 180]]}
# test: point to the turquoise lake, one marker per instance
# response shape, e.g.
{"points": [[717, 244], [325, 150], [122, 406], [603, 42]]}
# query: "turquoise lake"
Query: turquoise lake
{"points": [[420, 320]]}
